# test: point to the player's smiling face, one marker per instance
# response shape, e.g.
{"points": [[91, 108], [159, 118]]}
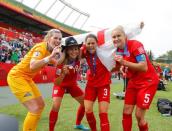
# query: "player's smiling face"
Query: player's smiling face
{"points": [[91, 44], [73, 52], [55, 40], [118, 38]]}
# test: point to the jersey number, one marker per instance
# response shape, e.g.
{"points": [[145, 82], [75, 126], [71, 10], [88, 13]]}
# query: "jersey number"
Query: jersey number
{"points": [[105, 92], [147, 98]]}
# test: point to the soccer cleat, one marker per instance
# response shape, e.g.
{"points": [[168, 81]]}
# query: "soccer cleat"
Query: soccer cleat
{"points": [[119, 95], [81, 127]]}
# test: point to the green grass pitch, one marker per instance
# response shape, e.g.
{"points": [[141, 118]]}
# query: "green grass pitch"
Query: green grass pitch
{"points": [[67, 113]]}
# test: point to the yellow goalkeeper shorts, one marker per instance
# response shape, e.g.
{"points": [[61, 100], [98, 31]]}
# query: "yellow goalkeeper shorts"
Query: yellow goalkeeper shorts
{"points": [[23, 89]]}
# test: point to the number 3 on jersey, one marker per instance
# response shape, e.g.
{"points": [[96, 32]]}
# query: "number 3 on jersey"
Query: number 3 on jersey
{"points": [[105, 92], [147, 98]]}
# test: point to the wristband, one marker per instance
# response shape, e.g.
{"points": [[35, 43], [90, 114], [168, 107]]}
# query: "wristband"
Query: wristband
{"points": [[46, 60]]}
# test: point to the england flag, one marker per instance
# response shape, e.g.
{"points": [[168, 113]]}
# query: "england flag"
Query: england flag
{"points": [[105, 49]]}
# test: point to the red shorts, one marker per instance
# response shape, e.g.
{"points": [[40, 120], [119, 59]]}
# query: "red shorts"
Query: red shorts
{"points": [[103, 93], [142, 97], [75, 91]]}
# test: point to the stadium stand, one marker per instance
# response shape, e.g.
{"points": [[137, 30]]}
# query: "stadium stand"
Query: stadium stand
{"points": [[33, 19], [20, 28]]}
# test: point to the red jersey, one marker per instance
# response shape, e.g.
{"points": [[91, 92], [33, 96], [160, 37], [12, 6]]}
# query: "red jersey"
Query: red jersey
{"points": [[71, 78], [99, 75], [134, 48]]}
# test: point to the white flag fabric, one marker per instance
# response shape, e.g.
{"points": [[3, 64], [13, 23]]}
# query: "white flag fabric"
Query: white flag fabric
{"points": [[105, 49]]}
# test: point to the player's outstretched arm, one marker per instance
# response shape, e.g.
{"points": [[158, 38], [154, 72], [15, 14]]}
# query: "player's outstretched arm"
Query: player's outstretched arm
{"points": [[134, 30]]}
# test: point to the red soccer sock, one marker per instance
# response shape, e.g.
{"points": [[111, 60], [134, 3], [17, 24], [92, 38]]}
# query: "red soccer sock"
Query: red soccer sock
{"points": [[127, 122], [52, 120], [143, 127], [91, 121], [104, 122], [80, 114]]}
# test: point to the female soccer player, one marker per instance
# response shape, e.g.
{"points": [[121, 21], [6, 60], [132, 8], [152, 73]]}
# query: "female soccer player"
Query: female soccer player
{"points": [[98, 85], [20, 77], [66, 80], [143, 81]]}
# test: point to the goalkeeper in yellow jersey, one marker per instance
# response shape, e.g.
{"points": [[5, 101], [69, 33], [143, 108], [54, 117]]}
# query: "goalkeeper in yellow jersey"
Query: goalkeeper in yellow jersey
{"points": [[20, 76]]}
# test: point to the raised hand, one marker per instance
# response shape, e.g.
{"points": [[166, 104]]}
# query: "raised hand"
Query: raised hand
{"points": [[142, 25], [55, 52], [119, 59]]}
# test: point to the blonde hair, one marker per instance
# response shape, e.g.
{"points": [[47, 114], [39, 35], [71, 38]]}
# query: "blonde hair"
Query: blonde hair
{"points": [[120, 28], [50, 34]]}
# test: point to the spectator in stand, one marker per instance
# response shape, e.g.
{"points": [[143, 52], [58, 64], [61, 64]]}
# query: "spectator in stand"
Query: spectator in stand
{"points": [[9, 54], [15, 56], [3, 36], [166, 73], [143, 79], [4, 53], [20, 76]]}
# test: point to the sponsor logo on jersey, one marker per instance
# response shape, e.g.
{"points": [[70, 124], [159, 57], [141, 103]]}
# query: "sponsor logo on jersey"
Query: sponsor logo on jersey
{"points": [[37, 53], [55, 91]]}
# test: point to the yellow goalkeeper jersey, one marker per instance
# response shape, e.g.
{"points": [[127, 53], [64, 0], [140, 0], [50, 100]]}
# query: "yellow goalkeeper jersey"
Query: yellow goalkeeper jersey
{"points": [[22, 69]]}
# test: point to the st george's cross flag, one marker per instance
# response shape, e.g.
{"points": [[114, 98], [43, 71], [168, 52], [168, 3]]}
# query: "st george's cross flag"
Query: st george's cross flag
{"points": [[105, 49]]}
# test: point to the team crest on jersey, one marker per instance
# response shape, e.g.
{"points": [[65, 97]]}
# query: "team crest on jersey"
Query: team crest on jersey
{"points": [[55, 91], [37, 53], [58, 71]]}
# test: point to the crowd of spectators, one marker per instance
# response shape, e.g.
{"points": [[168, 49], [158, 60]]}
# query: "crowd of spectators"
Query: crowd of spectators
{"points": [[13, 49]]}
